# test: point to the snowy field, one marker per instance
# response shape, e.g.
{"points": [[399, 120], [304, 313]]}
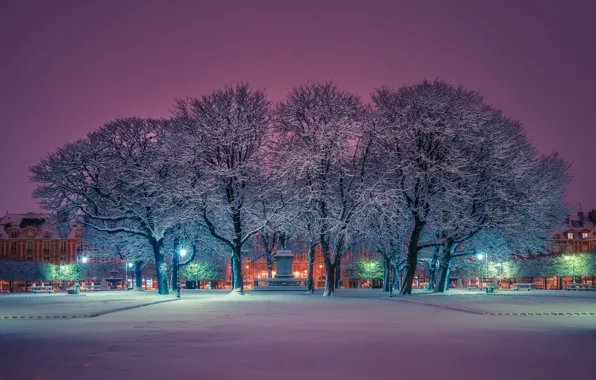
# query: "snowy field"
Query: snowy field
{"points": [[355, 335], [62, 305]]}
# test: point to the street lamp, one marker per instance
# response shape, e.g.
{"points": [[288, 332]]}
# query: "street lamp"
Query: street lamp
{"points": [[126, 266], [181, 253], [480, 256], [77, 286]]}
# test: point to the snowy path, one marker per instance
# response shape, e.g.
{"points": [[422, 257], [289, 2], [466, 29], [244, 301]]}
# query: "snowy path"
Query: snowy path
{"points": [[356, 335]]}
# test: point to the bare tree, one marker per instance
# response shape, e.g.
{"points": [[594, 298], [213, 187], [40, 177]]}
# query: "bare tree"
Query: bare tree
{"points": [[113, 182], [224, 136], [461, 168], [319, 129]]}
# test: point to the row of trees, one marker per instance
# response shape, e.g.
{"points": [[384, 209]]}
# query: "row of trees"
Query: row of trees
{"points": [[428, 172], [41, 271], [571, 265]]}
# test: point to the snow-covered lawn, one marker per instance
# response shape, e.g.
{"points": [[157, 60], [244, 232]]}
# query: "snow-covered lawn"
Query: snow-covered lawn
{"points": [[72, 306], [514, 303], [355, 335]]}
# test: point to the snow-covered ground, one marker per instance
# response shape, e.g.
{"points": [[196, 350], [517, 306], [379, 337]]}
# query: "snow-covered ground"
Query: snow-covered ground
{"points": [[355, 335], [64, 305], [514, 302]]}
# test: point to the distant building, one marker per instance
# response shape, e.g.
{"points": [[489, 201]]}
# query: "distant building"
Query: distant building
{"points": [[579, 234], [33, 237]]}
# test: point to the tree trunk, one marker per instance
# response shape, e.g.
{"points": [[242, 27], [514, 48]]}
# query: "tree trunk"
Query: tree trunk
{"points": [[175, 266], [396, 275], [310, 279], [433, 268], [338, 273], [412, 260], [390, 279], [329, 267], [139, 275], [447, 277], [160, 267], [269, 267], [329, 280], [386, 274], [237, 271], [232, 271], [444, 265]]}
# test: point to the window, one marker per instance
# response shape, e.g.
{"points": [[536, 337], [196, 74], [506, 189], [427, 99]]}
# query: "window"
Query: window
{"points": [[13, 246], [46, 258], [14, 234], [570, 235], [46, 245], [63, 246], [29, 246], [584, 235]]}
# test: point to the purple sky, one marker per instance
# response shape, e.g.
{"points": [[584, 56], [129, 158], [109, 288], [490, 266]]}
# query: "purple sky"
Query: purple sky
{"points": [[66, 67]]}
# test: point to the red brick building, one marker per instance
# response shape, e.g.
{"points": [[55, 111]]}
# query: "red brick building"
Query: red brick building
{"points": [[32, 237]]}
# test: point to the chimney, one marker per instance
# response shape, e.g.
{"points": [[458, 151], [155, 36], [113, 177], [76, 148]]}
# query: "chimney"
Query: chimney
{"points": [[581, 217], [592, 216]]}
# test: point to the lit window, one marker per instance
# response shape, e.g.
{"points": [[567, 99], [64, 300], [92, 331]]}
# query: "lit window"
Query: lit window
{"points": [[569, 235], [584, 235]]}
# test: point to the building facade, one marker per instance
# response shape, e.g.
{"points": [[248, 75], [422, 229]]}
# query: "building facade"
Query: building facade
{"points": [[32, 237]]}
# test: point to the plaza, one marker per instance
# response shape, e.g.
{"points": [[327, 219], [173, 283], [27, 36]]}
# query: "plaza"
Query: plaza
{"points": [[358, 334]]}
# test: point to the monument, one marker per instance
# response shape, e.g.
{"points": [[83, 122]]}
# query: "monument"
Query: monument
{"points": [[284, 278]]}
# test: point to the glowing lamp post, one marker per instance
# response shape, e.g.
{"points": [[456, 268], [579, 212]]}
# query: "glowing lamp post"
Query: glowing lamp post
{"points": [[480, 256], [77, 287], [126, 266], [181, 253]]}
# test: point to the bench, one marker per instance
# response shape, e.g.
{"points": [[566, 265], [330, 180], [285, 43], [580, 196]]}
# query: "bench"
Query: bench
{"points": [[580, 287], [42, 289], [518, 286], [89, 288], [473, 286]]}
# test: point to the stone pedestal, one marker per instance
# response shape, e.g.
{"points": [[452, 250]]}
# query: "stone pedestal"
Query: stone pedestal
{"points": [[284, 278], [283, 259]]}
